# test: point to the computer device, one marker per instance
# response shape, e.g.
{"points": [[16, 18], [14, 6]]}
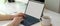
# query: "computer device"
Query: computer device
{"points": [[29, 20], [33, 13]]}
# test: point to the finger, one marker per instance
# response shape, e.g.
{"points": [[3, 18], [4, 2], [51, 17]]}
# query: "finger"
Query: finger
{"points": [[21, 15]]}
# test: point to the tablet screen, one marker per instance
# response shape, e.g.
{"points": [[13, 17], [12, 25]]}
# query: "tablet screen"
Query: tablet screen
{"points": [[13, 6]]}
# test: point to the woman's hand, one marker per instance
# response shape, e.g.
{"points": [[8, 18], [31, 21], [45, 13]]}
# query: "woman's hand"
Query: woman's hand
{"points": [[18, 15], [18, 18]]}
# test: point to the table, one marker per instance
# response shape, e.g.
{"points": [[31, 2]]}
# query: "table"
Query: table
{"points": [[55, 17]]}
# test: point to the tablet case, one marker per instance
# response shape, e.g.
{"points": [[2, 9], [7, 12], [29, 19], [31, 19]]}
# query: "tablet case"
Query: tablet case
{"points": [[30, 20]]}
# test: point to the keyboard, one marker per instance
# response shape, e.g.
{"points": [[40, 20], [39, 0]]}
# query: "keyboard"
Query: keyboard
{"points": [[30, 20]]}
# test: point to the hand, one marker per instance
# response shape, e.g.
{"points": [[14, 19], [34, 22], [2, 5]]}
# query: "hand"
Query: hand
{"points": [[18, 18], [18, 15]]}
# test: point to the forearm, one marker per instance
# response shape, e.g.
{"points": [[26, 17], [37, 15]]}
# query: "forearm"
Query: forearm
{"points": [[5, 17]]}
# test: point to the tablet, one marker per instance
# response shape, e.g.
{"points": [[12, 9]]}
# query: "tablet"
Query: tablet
{"points": [[33, 13]]}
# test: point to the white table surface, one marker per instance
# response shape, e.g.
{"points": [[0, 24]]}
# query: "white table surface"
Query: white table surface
{"points": [[55, 17], [5, 22]]}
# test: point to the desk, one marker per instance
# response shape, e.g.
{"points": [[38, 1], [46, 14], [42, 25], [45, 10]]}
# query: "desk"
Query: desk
{"points": [[55, 17], [5, 22]]}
